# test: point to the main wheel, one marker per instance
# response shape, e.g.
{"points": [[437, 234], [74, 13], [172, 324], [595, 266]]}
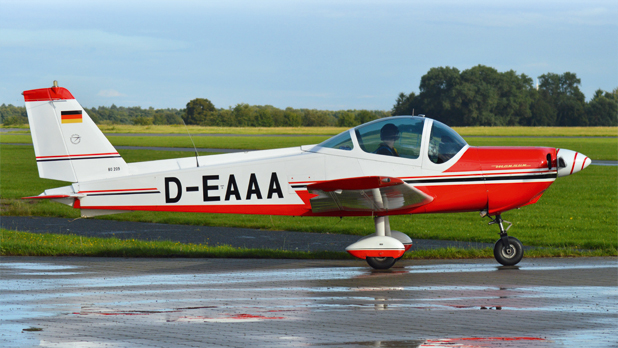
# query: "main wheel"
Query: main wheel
{"points": [[381, 262], [506, 256]]}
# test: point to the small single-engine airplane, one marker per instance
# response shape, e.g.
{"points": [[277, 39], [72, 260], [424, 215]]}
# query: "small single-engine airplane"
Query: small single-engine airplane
{"points": [[390, 166]]}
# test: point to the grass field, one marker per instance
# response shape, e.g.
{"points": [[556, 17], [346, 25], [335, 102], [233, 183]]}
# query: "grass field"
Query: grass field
{"points": [[577, 212], [487, 131], [13, 243], [595, 148]]}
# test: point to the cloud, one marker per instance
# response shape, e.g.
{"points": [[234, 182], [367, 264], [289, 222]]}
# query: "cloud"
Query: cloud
{"points": [[110, 93]]}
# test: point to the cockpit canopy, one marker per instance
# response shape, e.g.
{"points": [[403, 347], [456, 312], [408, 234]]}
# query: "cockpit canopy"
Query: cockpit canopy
{"points": [[401, 136], [444, 143]]}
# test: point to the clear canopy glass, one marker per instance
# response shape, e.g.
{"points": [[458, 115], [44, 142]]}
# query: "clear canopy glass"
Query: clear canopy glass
{"points": [[393, 136], [340, 142], [444, 143]]}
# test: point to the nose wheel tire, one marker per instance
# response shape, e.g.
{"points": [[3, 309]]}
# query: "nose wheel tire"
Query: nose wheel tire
{"points": [[509, 256], [381, 262]]}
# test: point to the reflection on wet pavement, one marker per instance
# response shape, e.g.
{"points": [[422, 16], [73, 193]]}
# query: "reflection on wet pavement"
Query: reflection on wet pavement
{"points": [[92, 302]]}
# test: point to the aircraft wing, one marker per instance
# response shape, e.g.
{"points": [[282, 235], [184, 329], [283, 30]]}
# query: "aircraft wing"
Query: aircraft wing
{"points": [[370, 193]]}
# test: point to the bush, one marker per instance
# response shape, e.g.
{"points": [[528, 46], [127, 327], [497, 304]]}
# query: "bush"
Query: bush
{"points": [[12, 121], [143, 121]]}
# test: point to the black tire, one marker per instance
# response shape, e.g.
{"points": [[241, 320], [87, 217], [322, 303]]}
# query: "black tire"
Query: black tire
{"points": [[381, 262], [504, 257]]}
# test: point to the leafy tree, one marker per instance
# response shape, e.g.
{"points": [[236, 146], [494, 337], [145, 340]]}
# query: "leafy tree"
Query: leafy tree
{"points": [[12, 114], [263, 117], [476, 96], [226, 118], [15, 121], [438, 97], [243, 115], [365, 116], [315, 118], [542, 111], [166, 117], [406, 104], [292, 118], [515, 95], [143, 121], [563, 92], [346, 119], [94, 115], [277, 115], [602, 110], [197, 111]]}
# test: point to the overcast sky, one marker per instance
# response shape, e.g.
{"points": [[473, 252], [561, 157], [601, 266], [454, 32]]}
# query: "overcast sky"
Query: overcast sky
{"points": [[304, 54]]}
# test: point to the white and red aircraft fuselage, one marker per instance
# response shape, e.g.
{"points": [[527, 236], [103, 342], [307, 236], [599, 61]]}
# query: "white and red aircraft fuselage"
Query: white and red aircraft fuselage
{"points": [[391, 166]]}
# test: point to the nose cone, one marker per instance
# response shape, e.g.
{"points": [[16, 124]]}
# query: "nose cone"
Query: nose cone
{"points": [[570, 162]]}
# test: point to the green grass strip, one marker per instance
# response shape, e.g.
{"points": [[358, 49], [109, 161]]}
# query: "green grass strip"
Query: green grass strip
{"points": [[511, 130], [13, 243], [595, 148]]}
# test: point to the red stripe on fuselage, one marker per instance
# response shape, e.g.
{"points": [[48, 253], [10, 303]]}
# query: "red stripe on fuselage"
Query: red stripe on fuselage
{"points": [[498, 197], [484, 173], [125, 190]]}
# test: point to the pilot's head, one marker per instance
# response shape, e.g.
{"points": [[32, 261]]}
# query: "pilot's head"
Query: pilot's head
{"points": [[389, 132]]}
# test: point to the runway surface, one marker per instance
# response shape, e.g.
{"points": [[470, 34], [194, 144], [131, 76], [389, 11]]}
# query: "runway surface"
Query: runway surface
{"points": [[211, 235], [114, 302]]}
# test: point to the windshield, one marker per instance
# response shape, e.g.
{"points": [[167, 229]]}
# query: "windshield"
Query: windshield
{"points": [[392, 136], [444, 143], [341, 142]]}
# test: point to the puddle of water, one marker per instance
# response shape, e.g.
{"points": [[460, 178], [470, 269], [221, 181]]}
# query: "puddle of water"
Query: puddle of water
{"points": [[459, 268], [51, 273], [118, 232], [467, 342], [36, 266]]}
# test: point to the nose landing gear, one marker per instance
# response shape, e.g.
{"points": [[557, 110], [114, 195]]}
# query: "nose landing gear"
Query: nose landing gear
{"points": [[508, 251]]}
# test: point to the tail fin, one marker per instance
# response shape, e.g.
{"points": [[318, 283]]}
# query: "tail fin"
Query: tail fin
{"points": [[68, 145]]}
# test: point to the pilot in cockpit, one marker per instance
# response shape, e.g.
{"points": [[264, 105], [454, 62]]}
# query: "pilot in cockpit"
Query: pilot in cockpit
{"points": [[388, 134]]}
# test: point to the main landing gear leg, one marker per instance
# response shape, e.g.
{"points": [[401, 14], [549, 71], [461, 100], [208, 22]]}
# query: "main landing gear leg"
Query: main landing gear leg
{"points": [[508, 250], [382, 229]]}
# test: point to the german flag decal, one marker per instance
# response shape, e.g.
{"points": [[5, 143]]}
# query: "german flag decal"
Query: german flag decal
{"points": [[71, 116]]}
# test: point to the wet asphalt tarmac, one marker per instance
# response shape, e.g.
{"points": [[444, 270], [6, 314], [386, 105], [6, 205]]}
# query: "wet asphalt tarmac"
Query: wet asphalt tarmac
{"points": [[236, 237], [115, 302]]}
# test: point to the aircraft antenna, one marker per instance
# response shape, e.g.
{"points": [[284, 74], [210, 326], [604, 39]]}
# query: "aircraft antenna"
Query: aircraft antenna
{"points": [[194, 148]]}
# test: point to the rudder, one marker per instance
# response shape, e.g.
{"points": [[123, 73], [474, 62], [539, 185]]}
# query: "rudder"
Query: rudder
{"points": [[68, 145]]}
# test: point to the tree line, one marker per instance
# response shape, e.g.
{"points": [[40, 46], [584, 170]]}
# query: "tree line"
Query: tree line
{"points": [[482, 96], [479, 96], [201, 111]]}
